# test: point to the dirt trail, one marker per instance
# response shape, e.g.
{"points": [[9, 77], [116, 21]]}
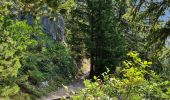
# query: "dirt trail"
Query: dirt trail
{"points": [[77, 84]]}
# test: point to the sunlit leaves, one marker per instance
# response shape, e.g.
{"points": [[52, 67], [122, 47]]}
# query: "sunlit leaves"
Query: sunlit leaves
{"points": [[133, 81]]}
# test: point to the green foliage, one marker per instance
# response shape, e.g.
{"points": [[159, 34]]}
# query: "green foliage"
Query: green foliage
{"points": [[49, 62], [98, 30], [148, 30], [165, 60], [132, 81], [9, 63], [43, 58], [29, 57], [36, 7]]}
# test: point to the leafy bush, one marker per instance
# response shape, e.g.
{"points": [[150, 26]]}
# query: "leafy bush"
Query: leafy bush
{"points": [[10, 55], [132, 81], [43, 59], [29, 57]]}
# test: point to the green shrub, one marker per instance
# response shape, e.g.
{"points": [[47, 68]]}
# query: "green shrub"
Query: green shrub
{"points": [[29, 57], [132, 81], [10, 55]]}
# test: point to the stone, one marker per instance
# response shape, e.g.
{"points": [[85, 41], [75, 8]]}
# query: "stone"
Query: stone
{"points": [[53, 26], [44, 84]]}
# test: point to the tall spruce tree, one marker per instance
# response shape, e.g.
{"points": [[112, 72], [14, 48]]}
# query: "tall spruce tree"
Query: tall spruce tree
{"points": [[106, 36], [100, 24]]}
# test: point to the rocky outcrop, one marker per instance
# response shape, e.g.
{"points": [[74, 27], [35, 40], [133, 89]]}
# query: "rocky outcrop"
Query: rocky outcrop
{"points": [[53, 26]]}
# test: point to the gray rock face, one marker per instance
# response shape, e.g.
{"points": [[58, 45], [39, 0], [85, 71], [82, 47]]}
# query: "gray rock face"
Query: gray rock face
{"points": [[167, 42], [29, 18], [53, 27]]}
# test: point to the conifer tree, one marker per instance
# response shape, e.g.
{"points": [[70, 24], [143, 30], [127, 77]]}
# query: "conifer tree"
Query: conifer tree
{"points": [[100, 25]]}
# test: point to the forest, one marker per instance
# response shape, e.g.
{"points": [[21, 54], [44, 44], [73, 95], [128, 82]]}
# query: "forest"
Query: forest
{"points": [[93, 49]]}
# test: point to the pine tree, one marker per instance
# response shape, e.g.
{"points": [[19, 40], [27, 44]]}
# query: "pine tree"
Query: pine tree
{"points": [[146, 24], [106, 45]]}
